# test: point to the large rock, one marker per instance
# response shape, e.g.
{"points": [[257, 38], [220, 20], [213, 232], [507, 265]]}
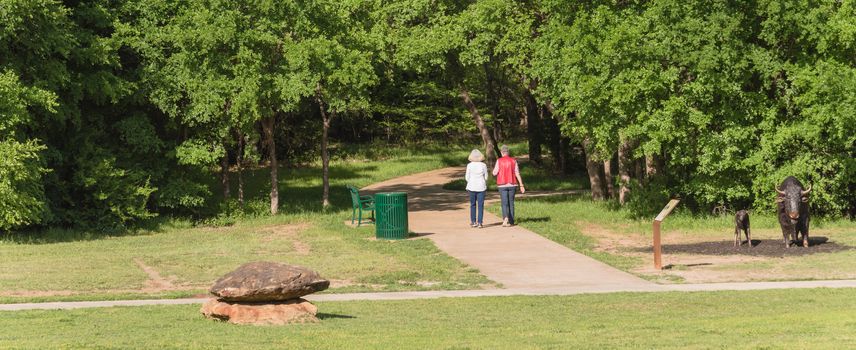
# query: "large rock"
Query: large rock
{"points": [[275, 313], [268, 281]]}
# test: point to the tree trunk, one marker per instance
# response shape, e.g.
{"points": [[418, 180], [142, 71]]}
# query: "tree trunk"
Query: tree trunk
{"points": [[240, 163], [565, 148], [224, 172], [492, 100], [388, 129], [624, 164], [594, 170], [325, 156], [607, 177], [553, 135], [268, 125], [490, 147], [497, 131], [533, 127], [653, 167]]}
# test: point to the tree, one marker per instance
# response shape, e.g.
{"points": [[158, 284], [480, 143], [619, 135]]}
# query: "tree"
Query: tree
{"points": [[429, 36], [22, 194], [98, 174]]}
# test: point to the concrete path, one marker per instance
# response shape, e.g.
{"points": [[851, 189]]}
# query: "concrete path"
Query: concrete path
{"points": [[523, 262], [512, 256], [455, 294]]}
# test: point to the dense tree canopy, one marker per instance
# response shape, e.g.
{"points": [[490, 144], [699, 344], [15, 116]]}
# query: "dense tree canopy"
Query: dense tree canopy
{"points": [[112, 112]]}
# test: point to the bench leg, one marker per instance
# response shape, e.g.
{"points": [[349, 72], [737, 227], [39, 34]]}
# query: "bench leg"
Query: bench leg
{"points": [[360, 220], [353, 215]]}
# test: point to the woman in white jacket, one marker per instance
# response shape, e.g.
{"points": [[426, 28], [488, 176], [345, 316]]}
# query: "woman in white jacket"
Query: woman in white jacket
{"points": [[476, 186]]}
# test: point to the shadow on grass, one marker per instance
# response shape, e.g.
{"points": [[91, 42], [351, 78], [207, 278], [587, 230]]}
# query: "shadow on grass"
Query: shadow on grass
{"points": [[324, 316], [563, 198], [419, 234], [63, 235], [538, 219], [677, 266]]}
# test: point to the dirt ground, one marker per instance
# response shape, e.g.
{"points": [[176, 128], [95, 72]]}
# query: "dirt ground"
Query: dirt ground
{"points": [[699, 258], [760, 248]]}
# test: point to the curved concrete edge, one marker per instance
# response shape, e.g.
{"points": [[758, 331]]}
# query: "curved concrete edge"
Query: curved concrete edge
{"points": [[557, 291]]}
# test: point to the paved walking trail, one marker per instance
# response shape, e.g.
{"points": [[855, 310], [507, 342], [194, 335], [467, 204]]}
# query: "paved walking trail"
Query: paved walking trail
{"points": [[513, 256], [524, 263]]}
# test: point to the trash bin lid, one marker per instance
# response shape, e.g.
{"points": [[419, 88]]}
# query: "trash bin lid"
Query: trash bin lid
{"points": [[391, 194]]}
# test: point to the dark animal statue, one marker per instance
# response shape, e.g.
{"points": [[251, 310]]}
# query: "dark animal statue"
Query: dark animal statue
{"points": [[792, 210], [741, 222]]}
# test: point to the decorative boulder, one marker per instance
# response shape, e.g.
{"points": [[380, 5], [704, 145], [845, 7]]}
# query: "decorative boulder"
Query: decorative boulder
{"points": [[267, 281], [274, 313]]}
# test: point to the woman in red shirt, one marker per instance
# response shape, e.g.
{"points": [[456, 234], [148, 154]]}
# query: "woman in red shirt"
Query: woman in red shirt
{"points": [[507, 174]]}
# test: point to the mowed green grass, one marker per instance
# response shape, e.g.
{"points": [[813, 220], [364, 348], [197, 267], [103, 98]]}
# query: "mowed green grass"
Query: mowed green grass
{"points": [[772, 319], [80, 265], [569, 219]]}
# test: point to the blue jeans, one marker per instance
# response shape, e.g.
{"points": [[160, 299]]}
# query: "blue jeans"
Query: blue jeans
{"points": [[476, 198], [506, 197]]}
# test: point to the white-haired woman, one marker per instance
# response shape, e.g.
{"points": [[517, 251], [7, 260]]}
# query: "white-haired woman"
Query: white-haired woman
{"points": [[476, 186]]}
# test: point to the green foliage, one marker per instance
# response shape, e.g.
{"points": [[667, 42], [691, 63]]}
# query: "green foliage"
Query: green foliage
{"points": [[115, 196], [22, 194], [650, 198], [734, 96], [198, 152], [423, 109], [138, 133], [817, 146], [181, 194], [15, 99]]}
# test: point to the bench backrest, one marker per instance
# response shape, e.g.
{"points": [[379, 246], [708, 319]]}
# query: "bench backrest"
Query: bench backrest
{"points": [[355, 195]]}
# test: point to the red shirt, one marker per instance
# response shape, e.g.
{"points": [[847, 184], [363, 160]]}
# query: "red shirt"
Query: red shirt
{"points": [[505, 171]]}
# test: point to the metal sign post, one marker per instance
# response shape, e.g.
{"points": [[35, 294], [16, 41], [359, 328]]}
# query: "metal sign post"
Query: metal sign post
{"points": [[658, 263]]}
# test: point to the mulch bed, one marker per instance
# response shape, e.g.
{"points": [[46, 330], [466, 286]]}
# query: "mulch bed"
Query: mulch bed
{"points": [[768, 248]]}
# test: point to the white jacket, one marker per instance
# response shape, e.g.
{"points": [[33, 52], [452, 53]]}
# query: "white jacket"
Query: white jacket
{"points": [[476, 177]]}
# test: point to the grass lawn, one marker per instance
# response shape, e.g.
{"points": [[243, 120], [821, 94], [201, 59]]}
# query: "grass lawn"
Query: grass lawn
{"points": [[176, 259], [774, 319], [610, 235]]}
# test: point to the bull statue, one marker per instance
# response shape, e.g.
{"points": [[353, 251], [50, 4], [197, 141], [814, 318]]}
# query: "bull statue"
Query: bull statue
{"points": [[792, 210]]}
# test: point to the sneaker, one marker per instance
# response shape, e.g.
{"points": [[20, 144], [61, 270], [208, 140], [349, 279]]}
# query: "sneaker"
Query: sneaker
{"points": [[505, 222], [480, 226], [474, 225]]}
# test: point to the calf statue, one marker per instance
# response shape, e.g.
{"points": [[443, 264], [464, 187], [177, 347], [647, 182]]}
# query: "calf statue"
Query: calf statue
{"points": [[741, 222], [792, 210]]}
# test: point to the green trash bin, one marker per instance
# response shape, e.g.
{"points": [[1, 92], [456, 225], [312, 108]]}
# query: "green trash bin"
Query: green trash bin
{"points": [[391, 215]]}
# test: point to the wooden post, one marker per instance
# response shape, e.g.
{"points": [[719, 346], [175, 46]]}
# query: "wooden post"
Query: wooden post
{"points": [[658, 263]]}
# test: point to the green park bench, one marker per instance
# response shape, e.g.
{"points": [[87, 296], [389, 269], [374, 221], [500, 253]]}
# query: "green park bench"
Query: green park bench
{"points": [[360, 204]]}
